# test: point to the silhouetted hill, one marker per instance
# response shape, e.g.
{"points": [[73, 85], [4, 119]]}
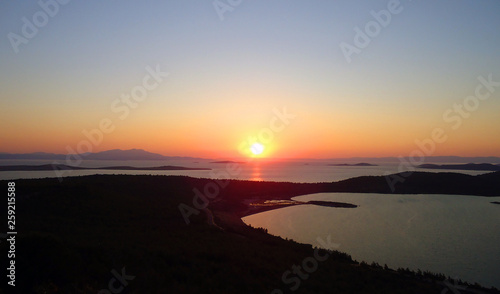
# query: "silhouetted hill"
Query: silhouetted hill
{"points": [[409, 183], [423, 183], [73, 234], [468, 166]]}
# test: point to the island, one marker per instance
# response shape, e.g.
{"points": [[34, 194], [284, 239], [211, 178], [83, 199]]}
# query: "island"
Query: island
{"points": [[356, 164], [228, 161]]}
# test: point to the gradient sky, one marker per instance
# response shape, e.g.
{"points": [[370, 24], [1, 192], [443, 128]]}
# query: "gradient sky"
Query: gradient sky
{"points": [[226, 77]]}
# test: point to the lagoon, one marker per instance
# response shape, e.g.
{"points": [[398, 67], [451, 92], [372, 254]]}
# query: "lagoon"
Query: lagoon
{"points": [[458, 236]]}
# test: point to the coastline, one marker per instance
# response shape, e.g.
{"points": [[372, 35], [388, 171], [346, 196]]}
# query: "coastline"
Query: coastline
{"points": [[136, 220]]}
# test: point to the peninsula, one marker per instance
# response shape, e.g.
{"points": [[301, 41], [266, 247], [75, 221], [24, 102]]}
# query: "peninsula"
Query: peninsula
{"points": [[76, 231]]}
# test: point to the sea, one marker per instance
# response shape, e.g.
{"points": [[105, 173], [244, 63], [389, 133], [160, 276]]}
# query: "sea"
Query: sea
{"points": [[458, 236], [312, 171]]}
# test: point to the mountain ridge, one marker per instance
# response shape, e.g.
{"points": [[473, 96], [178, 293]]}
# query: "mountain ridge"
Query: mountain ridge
{"points": [[141, 154], [113, 154]]}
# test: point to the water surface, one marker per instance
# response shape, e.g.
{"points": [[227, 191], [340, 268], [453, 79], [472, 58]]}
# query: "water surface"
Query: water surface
{"points": [[298, 172], [455, 235]]}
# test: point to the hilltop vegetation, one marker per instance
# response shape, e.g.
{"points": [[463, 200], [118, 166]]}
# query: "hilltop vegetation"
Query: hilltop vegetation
{"points": [[71, 235]]}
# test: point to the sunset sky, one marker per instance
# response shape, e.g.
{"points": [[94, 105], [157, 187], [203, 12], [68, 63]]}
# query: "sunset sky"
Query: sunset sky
{"points": [[231, 71]]}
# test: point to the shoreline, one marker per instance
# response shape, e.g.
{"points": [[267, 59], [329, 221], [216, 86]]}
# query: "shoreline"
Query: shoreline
{"points": [[145, 223], [267, 205]]}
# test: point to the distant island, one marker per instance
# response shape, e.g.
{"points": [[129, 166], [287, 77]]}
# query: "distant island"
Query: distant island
{"points": [[429, 159], [495, 202], [45, 167], [356, 164], [228, 161], [468, 166]]}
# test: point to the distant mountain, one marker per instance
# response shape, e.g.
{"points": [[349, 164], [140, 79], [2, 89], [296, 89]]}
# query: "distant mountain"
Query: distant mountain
{"points": [[118, 154], [45, 167], [33, 156], [468, 166], [115, 154]]}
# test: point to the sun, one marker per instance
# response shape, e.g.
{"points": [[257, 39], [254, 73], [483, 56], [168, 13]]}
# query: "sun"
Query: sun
{"points": [[257, 148]]}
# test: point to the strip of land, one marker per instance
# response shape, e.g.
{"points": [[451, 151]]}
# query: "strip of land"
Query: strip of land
{"points": [[74, 233], [45, 167], [356, 164], [468, 166]]}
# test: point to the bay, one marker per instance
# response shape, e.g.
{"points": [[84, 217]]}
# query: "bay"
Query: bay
{"points": [[458, 236]]}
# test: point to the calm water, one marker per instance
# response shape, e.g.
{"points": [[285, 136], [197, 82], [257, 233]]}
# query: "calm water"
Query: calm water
{"points": [[455, 235], [310, 172]]}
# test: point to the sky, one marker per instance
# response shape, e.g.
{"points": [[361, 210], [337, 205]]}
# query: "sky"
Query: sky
{"points": [[306, 79]]}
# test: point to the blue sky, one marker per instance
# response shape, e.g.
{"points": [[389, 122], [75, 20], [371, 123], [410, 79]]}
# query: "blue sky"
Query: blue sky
{"points": [[264, 54]]}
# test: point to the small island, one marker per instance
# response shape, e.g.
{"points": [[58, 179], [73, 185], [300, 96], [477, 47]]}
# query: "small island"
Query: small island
{"points": [[227, 161], [46, 167], [356, 164]]}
